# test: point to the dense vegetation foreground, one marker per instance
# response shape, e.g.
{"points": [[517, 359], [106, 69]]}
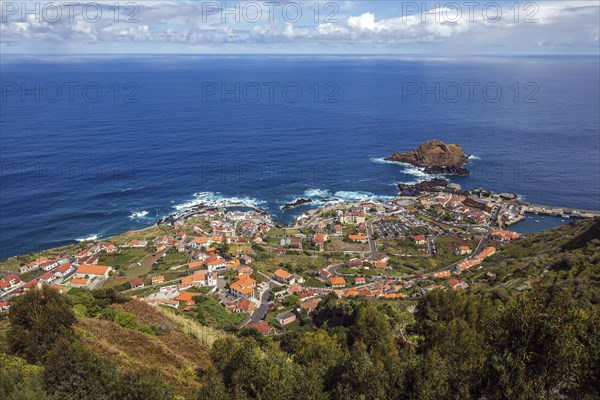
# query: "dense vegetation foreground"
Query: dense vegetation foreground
{"points": [[539, 342]]}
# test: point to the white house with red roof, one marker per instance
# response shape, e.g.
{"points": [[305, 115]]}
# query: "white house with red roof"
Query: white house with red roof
{"points": [[29, 267], [215, 262], [48, 277], [64, 270], [419, 239], [353, 217], [9, 282], [325, 274], [110, 247], [137, 283], [49, 265]]}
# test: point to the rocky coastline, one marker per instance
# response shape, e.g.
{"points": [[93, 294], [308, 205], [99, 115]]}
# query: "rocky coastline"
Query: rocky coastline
{"points": [[296, 203], [433, 185]]}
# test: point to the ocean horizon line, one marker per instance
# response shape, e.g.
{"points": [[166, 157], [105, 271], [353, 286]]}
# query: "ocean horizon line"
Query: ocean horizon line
{"points": [[387, 55]]}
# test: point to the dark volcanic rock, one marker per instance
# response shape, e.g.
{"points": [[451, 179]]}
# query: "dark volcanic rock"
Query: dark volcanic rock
{"points": [[296, 203], [448, 170], [436, 157], [434, 185]]}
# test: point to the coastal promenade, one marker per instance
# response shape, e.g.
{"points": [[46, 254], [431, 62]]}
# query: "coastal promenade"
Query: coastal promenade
{"points": [[561, 211]]}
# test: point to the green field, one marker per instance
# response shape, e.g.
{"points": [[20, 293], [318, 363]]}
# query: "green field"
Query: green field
{"points": [[211, 313], [173, 258], [283, 232], [399, 246], [123, 258]]}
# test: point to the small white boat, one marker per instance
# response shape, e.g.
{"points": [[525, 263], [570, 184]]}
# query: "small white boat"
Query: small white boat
{"points": [[537, 221]]}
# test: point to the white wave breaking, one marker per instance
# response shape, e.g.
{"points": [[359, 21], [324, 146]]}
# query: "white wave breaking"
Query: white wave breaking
{"points": [[88, 238], [409, 169], [212, 199], [382, 160], [351, 196], [138, 214], [317, 193], [320, 196]]}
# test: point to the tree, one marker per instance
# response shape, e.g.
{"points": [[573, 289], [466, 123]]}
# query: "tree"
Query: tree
{"points": [[80, 310], [319, 350], [37, 320], [213, 387], [291, 300], [143, 385], [19, 380], [252, 372], [336, 312], [126, 320], [72, 372], [97, 301], [543, 349], [431, 378], [373, 328], [440, 307], [454, 362], [358, 377]]}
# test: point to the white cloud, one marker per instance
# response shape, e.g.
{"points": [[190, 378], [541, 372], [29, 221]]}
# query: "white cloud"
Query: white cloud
{"points": [[570, 26]]}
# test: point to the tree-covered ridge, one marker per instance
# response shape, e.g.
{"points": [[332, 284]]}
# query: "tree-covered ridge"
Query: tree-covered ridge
{"points": [[539, 346]]}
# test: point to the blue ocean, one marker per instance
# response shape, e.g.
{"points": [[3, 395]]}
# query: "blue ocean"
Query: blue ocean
{"points": [[91, 146]]}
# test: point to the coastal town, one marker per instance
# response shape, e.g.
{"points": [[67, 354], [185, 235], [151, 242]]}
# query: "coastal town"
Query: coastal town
{"points": [[299, 200], [265, 275]]}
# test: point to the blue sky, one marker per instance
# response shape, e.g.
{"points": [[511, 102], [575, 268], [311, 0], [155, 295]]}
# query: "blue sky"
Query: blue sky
{"points": [[331, 27]]}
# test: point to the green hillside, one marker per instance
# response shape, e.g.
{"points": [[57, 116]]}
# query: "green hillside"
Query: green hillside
{"points": [[528, 327], [566, 257]]}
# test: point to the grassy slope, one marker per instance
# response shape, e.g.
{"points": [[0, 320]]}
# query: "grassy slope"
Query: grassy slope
{"points": [[177, 354], [566, 256]]}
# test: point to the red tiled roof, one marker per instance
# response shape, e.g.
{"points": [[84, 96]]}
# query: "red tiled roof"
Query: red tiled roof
{"points": [[262, 327], [453, 282], [337, 281], [137, 282], [283, 274], [89, 269], [63, 268], [186, 296], [357, 237]]}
